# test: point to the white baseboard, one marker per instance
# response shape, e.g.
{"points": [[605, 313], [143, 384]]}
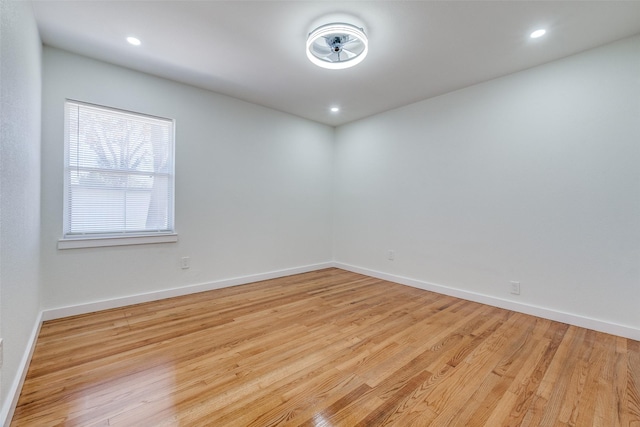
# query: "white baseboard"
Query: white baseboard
{"points": [[559, 316], [56, 313], [10, 403]]}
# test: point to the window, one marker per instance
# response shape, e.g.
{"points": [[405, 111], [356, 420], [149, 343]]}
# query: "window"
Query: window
{"points": [[119, 175]]}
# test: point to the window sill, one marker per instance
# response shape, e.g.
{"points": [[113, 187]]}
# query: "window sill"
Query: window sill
{"points": [[95, 242]]}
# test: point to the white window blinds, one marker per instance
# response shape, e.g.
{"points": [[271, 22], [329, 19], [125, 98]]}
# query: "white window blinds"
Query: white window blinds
{"points": [[119, 172]]}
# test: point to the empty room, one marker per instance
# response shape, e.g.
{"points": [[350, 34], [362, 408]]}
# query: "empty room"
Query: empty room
{"points": [[319, 213]]}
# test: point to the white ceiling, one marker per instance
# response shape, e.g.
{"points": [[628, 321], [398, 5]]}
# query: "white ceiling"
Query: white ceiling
{"points": [[255, 50]]}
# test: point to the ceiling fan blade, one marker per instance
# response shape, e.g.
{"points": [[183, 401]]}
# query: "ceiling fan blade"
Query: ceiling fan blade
{"points": [[334, 57], [351, 40], [322, 50], [328, 57], [331, 40], [348, 54]]}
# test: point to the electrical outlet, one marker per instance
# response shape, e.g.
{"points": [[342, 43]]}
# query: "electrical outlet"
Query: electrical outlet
{"points": [[185, 262], [515, 287], [391, 255]]}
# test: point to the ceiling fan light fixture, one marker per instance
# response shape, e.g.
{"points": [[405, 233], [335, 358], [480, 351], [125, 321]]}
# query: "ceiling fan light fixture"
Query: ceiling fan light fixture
{"points": [[337, 46]]}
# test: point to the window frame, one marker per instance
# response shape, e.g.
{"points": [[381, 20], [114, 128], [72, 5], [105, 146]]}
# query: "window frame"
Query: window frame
{"points": [[117, 237]]}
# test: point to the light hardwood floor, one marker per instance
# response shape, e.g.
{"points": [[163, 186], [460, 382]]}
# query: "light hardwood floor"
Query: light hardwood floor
{"points": [[326, 348]]}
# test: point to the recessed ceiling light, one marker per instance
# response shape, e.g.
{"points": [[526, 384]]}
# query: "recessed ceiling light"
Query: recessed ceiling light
{"points": [[335, 109], [538, 33], [337, 46], [134, 41]]}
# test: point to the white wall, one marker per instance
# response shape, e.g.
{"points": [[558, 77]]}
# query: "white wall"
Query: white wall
{"points": [[20, 85], [253, 187], [533, 177]]}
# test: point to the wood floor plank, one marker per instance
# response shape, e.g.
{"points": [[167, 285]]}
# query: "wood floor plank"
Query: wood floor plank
{"points": [[326, 348], [632, 404]]}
